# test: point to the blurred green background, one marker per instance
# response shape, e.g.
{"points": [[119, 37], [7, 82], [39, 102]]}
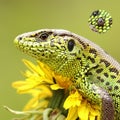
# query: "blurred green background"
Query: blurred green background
{"points": [[19, 16]]}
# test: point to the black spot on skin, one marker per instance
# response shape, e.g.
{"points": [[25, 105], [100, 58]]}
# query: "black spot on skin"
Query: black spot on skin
{"points": [[63, 47], [116, 87], [54, 34], [73, 54], [107, 83], [100, 79], [95, 13], [99, 70], [118, 81], [78, 58], [113, 76], [83, 44], [93, 51], [43, 54], [81, 63], [118, 96], [95, 67], [117, 104], [107, 64], [110, 21], [109, 88], [59, 42], [113, 94], [106, 75], [84, 55], [114, 70], [88, 73], [64, 34], [91, 59]]}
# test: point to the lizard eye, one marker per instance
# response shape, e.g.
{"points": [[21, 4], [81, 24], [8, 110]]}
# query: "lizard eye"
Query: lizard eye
{"points": [[71, 44], [44, 36]]}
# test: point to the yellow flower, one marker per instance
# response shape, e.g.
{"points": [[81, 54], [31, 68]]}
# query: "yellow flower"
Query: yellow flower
{"points": [[34, 84], [51, 92], [79, 107]]}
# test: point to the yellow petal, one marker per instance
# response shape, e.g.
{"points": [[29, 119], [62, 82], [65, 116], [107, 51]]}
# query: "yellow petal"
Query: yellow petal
{"points": [[94, 111], [24, 86], [72, 114], [64, 82], [83, 111], [55, 87], [32, 67], [46, 70], [73, 100], [92, 117], [31, 104]]}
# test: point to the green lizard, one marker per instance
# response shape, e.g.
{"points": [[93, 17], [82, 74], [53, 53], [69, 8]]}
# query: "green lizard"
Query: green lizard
{"points": [[96, 73]]}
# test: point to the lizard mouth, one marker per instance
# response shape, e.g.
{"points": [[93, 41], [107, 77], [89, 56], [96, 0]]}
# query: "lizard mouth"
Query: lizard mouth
{"points": [[28, 45]]}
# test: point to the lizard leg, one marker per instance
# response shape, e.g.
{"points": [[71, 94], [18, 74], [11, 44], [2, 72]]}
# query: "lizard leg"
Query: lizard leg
{"points": [[97, 95]]}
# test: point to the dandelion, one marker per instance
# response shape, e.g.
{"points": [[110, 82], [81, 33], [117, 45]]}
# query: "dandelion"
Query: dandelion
{"points": [[53, 97]]}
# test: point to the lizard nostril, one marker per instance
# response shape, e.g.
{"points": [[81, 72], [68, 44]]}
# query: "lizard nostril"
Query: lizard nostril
{"points": [[17, 39]]}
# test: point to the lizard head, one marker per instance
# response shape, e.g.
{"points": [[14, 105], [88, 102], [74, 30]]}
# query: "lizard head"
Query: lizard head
{"points": [[51, 46]]}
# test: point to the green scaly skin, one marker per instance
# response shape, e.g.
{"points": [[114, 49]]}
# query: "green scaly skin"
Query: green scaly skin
{"points": [[96, 74]]}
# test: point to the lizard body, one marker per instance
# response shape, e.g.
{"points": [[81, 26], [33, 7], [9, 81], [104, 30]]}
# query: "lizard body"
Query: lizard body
{"points": [[96, 73]]}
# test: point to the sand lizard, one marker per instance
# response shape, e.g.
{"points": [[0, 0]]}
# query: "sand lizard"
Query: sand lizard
{"points": [[76, 57]]}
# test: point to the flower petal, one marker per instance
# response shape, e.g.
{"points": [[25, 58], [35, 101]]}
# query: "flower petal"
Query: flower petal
{"points": [[55, 87], [72, 114], [83, 111], [73, 100]]}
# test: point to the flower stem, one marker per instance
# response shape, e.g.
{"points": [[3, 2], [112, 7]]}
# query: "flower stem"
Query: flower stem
{"points": [[57, 100]]}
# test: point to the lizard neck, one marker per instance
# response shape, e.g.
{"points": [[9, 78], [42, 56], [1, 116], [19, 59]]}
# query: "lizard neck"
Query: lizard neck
{"points": [[65, 67]]}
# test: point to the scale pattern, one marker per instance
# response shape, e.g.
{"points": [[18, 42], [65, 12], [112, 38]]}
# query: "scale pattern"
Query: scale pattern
{"points": [[96, 74]]}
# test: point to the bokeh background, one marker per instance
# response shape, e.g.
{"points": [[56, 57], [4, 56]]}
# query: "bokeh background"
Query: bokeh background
{"points": [[19, 16]]}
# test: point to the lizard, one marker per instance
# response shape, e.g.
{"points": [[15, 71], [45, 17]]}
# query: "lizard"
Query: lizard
{"points": [[96, 73]]}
